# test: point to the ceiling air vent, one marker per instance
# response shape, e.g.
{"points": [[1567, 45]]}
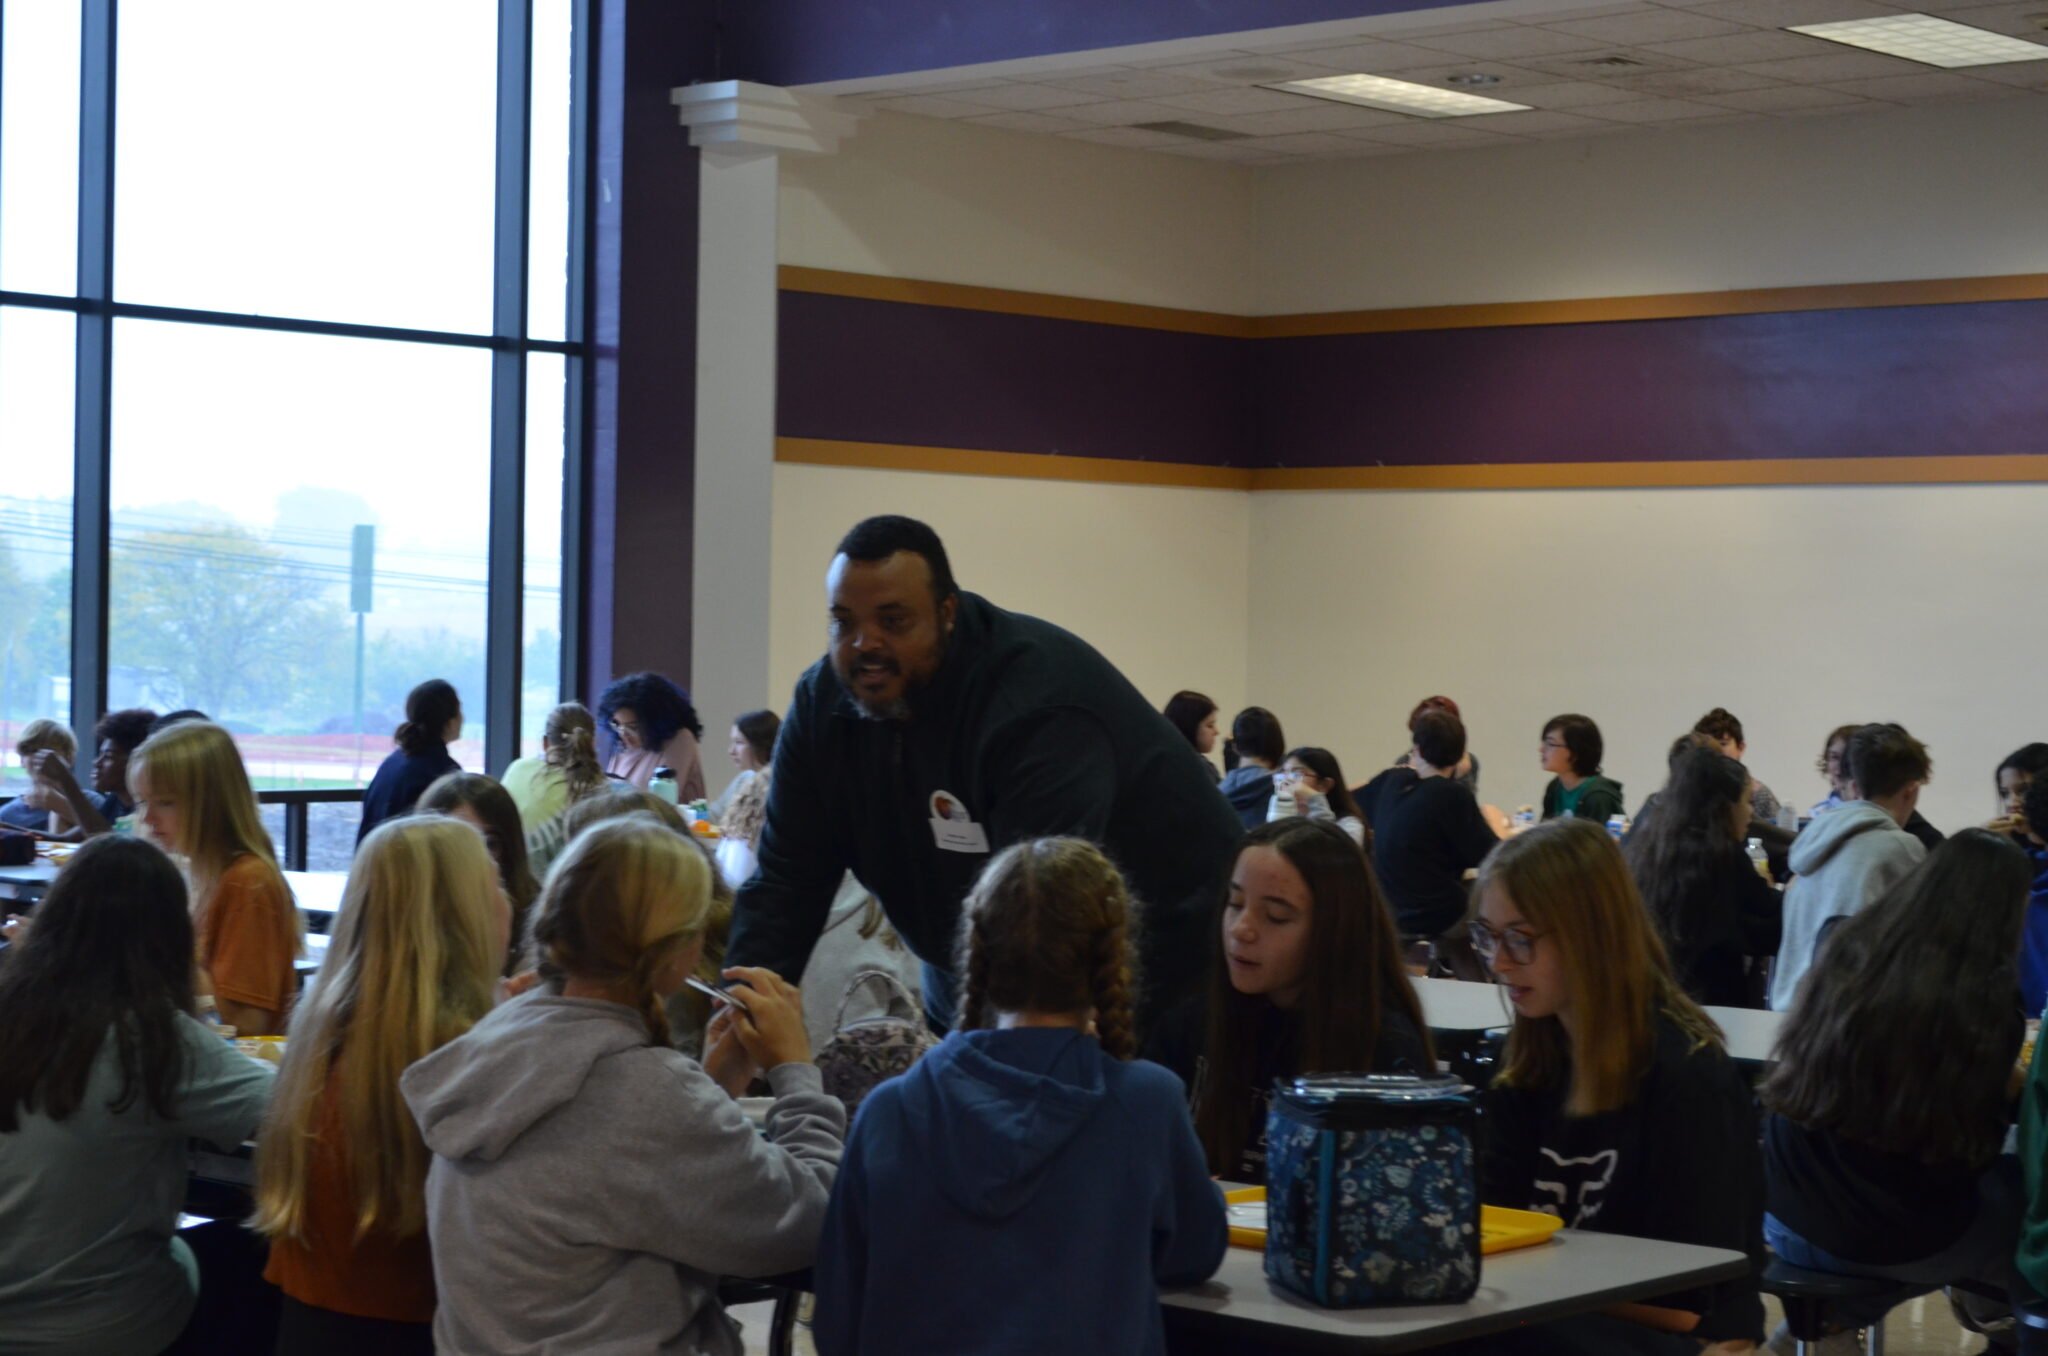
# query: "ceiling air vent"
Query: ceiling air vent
{"points": [[1619, 65], [1194, 131]]}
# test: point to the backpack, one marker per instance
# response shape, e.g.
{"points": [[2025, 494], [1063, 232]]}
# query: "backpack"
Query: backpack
{"points": [[866, 1053]]}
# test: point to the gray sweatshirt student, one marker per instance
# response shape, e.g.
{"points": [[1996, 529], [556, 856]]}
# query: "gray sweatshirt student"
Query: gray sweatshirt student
{"points": [[588, 1188], [1844, 860]]}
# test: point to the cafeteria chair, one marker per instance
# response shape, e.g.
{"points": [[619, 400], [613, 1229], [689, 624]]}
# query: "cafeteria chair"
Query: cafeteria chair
{"points": [[1810, 1297], [786, 1291]]}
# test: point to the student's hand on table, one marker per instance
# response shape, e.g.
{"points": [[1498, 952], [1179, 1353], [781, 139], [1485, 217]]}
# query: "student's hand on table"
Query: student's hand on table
{"points": [[770, 1017], [725, 1059]]}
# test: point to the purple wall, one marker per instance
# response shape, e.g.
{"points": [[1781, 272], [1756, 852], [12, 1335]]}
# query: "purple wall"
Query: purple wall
{"points": [[1962, 379], [797, 42], [933, 376]]}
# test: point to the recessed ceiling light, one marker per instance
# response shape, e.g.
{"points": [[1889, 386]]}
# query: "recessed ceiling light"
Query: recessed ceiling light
{"points": [[1399, 96], [1928, 40]]}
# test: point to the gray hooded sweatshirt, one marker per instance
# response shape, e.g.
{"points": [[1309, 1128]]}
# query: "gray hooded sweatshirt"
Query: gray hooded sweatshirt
{"points": [[1844, 860], [588, 1187]]}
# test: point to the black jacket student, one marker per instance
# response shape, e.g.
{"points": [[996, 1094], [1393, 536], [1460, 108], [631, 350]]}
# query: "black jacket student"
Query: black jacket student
{"points": [[1679, 1163], [1741, 916], [1427, 832], [1025, 731]]}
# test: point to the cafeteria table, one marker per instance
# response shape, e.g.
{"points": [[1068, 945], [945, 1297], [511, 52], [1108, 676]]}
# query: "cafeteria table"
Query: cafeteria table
{"points": [[1455, 1005], [26, 883], [1575, 1273]]}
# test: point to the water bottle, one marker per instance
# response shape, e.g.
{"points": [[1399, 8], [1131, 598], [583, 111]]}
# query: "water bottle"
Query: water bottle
{"points": [[1617, 827], [663, 784], [1758, 858], [1525, 819]]}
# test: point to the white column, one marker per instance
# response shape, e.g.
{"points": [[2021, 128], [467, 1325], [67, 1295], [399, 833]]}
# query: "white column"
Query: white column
{"points": [[742, 130]]}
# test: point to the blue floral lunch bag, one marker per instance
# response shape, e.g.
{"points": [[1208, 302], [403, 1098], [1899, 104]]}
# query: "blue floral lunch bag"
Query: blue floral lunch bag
{"points": [[1371, 1190]]}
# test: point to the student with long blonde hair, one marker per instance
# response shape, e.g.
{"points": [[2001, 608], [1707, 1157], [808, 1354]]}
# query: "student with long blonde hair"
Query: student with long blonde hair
{"points": [[341, 1171], [194, 798], [1031, 1144], [589, 1183], [1616, 1107]]}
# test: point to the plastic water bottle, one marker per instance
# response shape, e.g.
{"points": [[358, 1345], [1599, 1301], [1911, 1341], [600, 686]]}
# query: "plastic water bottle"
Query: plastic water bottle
{"points": [[1758, 858], [1525, 819], [663, 784], [1617, 827]]}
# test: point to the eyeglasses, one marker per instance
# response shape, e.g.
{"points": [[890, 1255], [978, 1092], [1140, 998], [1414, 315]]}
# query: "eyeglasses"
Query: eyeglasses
{"points": [[1553, 744], [622, 726], [1519, 943]]}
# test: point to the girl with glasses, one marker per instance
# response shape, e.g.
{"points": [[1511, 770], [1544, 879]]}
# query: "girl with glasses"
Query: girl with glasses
{"points": [[1308, 980], [1617, 1108]]}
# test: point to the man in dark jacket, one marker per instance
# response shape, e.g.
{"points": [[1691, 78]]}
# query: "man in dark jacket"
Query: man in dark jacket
{"points": [[940, 729]]}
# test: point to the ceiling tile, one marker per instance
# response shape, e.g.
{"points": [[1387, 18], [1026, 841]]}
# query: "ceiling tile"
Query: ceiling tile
{"points": [[1443, 132], [1511, 77], [1375, 58], [1424, 32], [1249, 99], [1655, 110], [931, 106], [2021, 74], [1535, 124], [1132, 84], [1575, 94], [1737, 48], [1839, 110], [2028, 19], [1508, 42], [1932, 87], [1822, 70], [1030, 122], [1121, 113], [1247, 68], [1019, 98], [1306, 143], [1590, 12], [1320, 116], [1132, 138], [1778, 14], [1236, 151], [1781, 99], [1701, 81], [1635, 30]]}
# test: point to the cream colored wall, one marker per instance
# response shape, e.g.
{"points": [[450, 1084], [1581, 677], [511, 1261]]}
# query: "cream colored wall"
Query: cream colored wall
{"points": [[1798, 609], [1155, 578], [1929, 192], [914, 197]]}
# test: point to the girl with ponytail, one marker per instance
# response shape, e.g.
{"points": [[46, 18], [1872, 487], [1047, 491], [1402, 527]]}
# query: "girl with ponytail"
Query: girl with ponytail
{"points": [[545, 785], [586, 1178], [1032, 1126]]}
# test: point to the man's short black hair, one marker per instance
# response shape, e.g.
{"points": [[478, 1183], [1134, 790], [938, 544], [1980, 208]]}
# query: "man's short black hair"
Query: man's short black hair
{"points": [[1884, 760], [125, 730], [1439, 738], [878, 538]]}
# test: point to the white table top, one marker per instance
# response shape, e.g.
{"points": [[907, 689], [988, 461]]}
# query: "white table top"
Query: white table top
{"points": [[26, 882], [1574, 1273], [317, 892], [1463, 1005]]}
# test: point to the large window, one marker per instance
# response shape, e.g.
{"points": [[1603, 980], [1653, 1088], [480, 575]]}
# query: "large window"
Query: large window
{"points": [[285, 342]]}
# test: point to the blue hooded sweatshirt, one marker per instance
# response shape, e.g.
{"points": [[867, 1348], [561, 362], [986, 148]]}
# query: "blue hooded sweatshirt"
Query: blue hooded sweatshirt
{"points": [[1016, 1192], [2034, 937]]}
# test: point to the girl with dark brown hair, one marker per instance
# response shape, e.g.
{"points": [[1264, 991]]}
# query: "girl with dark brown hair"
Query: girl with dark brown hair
{"points": [[1030, 1142], [1892, 1090], [1308, 979]]}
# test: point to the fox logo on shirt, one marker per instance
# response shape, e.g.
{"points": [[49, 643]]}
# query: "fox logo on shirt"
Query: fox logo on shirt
{"points": [[1580, 1186]]}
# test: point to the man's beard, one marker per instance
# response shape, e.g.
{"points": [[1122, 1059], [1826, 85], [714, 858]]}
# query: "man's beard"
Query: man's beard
{"points": [[899, 709]]}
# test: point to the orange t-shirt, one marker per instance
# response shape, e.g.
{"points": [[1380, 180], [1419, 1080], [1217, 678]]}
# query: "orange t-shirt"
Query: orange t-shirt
{"points": [[377, 1276], [249, 936]]}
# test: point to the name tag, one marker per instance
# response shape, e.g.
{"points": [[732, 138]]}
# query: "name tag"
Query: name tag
{"points": [[952, 828]]}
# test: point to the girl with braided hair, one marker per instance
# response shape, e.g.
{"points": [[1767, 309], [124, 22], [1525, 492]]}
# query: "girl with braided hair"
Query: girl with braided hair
{"points": [[1030, 1143]]}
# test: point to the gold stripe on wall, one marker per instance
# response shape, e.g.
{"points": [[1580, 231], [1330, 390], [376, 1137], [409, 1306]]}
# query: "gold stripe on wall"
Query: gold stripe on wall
{"points": [[1589, 475], [961, 296], [1580, 311], [959, 461]]}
